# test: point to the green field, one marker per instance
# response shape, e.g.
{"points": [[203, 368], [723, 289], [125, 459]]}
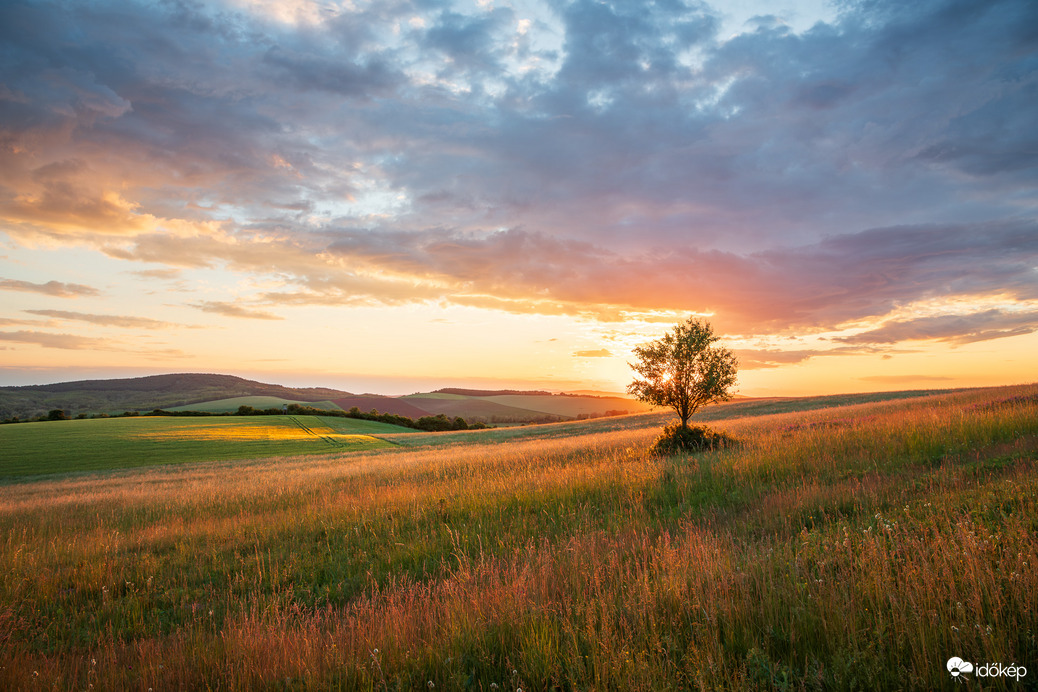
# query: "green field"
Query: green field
{"points": [[570, 406], [143, 394], [520, 406], [257, 402], [472, 408], [28, 449], [842, 543], [436, 395]]}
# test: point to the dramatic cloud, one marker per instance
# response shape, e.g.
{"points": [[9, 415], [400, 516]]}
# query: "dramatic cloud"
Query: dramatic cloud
{"points": [[51, 288], [839, 279], [590, 159], [957, 329]]}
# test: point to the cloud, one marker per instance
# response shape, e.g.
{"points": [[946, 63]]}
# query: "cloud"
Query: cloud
{"points": [[8, 322], [956, 329], [596, 160], [307, 72], [470, 43], [837, 280], [596, 353], [756, 359], [757, 136], [233, 310], [104, 320], [164, 274], [62, 341], [51, 288]]}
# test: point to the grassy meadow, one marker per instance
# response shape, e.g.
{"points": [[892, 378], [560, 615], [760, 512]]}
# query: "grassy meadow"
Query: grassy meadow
{"points": [[99, 444], [858, 546]]}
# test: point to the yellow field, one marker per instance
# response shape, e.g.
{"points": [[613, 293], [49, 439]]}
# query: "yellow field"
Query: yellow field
{"points": [[252, 431]]}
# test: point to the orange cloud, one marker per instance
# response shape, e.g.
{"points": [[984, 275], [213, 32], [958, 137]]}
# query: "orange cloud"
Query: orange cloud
{"points": [[51, 288], [234, 310], [104, 320], [62, 341], [597, 353]]}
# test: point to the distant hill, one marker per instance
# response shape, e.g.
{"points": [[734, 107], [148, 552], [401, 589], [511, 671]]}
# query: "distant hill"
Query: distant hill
{"points": [[225, 393], [489, 392], [382, 404], [144, 394], [260, 403], [476, 408]]}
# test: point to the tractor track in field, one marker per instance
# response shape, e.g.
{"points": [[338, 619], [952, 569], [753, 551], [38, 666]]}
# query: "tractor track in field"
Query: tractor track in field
{"points": [[333, 442]]}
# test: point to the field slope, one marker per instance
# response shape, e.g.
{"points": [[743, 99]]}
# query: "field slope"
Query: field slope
{"points": [[111, 443], [143, 394], [260, 403], [858, 546]]}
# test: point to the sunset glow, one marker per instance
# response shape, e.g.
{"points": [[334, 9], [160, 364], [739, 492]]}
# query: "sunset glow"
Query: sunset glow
{"points": [[393, 197]]}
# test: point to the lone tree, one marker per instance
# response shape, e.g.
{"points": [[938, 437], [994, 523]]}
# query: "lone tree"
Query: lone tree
{"points": [[684, 370]]}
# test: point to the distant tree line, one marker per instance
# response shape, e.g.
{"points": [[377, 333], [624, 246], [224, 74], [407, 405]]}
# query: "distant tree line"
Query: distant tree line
{"points": [[437, 423], [63, 414], [505, 392], [604, 414]]}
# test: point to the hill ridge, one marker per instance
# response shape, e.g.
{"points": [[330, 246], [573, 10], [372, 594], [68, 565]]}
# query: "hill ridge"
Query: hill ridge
{"points": [[144, 393]]}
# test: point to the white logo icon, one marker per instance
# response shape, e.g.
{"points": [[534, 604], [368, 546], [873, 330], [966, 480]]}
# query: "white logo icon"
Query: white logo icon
{"points": [[957, 667]]}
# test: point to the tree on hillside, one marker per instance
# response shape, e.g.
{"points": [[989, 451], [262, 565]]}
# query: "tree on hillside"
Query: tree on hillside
{"points": [[684, 370]]}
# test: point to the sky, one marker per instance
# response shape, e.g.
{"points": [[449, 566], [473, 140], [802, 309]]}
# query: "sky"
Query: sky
{"points": [[397, 196]]}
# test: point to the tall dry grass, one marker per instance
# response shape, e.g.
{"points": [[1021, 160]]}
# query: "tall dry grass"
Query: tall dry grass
{"points": [[850, 548]]}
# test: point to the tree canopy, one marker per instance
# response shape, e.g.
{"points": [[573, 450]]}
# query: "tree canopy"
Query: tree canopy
{"points": [[684, 369]]}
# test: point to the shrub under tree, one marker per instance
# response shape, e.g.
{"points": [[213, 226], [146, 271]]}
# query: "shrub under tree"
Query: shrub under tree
{"points": [[685, 370]]}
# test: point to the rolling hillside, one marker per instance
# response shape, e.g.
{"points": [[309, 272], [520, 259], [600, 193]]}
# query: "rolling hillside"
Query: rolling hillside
{"points": [[259, 403], [518, 407], [383, 404], [473, 408], [842, 539], [571, 406], [143, 394], [225, 393]]}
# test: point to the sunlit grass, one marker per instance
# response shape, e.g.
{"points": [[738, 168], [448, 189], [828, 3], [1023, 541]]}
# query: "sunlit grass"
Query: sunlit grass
{"points": [[54, 447], [857, 547]]}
